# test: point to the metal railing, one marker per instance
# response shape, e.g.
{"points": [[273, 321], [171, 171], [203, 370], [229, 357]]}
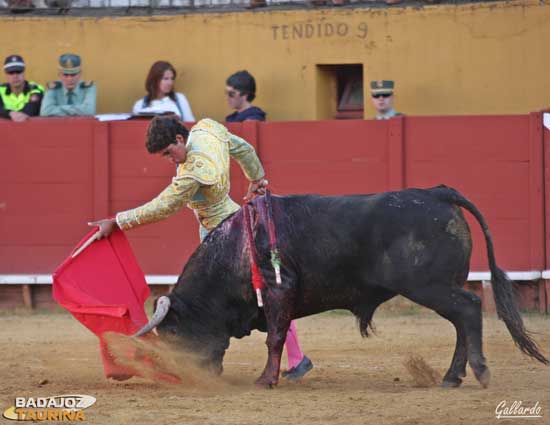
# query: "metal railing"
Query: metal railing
{"points": [[28, 5]]}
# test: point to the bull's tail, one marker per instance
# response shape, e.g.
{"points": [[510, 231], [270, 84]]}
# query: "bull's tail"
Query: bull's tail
{"points": [[503, 290]]}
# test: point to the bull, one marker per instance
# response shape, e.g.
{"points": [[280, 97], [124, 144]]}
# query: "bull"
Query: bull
{"points": [[341, 252]]}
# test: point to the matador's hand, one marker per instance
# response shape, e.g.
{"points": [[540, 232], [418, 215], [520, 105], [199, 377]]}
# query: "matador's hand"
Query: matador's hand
{"points": [[106, 227], [256, 188]]}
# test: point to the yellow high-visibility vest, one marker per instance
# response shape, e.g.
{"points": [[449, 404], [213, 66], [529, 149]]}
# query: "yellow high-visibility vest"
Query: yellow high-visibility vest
{"points": [[16, 102]]}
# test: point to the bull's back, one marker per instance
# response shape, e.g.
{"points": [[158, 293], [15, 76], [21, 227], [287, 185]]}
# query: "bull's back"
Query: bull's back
{"points": [[344, 246]]}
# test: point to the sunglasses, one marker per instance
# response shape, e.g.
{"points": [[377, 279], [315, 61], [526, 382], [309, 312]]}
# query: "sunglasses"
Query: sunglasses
{"points": [[14, 72], [376, 96], [231, 93]]}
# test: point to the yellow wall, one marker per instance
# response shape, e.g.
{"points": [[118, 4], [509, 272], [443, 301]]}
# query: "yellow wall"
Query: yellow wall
{"points": [[472, 59]]}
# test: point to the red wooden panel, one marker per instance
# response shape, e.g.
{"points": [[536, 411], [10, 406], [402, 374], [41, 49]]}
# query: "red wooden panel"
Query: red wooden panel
{"points": [[249, 131], [495, 187], [338, 177], [51, 187], [326, 157], [536, 192], [101, 175], [38, 199], [489, 160], [48, 229], [546, 153], [35, 258], [323, 140], [45, 191], [128, 132], [511, 245], [499, 138], [46, 150], [396, 154]]}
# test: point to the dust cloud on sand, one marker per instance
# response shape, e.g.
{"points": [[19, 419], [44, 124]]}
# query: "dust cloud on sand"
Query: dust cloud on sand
{"points": [[422, 373], [158, 361], [355, 381]]}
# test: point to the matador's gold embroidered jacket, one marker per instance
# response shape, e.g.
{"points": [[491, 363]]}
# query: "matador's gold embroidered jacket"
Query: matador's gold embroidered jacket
{"points": [[202, 181]]}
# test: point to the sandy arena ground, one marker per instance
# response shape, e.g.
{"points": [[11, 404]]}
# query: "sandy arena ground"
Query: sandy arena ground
{"points": [[355, 380]]}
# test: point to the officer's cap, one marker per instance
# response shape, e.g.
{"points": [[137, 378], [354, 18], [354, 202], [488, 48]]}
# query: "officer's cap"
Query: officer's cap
{"points": [[14, 63], [381, 87], [69, 63]]}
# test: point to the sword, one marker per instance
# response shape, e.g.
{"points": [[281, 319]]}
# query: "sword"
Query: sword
{"points": [[86, 244]]}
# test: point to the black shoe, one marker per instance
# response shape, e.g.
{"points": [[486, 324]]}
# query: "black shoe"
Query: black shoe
{"points": [[298, 372]]}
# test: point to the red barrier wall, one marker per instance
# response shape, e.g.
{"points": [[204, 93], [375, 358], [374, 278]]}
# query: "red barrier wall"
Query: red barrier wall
{"points": [[57, 174], [46, 187], [492, 161]]}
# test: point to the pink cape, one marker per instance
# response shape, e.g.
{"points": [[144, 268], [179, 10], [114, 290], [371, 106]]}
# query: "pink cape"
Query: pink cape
{"points": [[104, 288]]}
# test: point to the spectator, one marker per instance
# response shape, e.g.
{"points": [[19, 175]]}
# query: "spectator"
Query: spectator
{"points": [[382, 99], [19, 98], [161, 97], [240, 91], [70, 96]]}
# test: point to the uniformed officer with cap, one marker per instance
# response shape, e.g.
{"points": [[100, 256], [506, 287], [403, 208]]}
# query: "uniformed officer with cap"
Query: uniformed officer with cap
{"points": [[382, 99], [69, 96], [19, 99]]}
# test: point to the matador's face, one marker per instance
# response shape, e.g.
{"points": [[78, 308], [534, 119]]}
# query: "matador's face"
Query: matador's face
{"points": [[175, 153]]}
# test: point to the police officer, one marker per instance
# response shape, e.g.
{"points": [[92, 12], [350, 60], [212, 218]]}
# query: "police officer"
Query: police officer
{"points": [[382, 98], [69, 96], [19, 99]]}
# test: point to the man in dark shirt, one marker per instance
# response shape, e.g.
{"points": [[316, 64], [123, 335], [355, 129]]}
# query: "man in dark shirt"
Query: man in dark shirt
{"points": [[240, 91], [19, 99]]}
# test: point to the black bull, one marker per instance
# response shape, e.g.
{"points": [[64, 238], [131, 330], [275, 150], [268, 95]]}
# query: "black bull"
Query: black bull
{"points": [[343, 252]]}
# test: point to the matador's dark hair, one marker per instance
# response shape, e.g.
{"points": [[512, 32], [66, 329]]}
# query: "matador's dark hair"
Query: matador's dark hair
{"points": [[162, 132]]}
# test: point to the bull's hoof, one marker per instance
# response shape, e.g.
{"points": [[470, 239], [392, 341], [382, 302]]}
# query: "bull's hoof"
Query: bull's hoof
{"points": [[265, 383], [451, 383], [484, 378]]}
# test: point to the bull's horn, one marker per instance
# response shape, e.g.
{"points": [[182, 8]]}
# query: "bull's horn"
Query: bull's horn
{"points": [[163, 305]]}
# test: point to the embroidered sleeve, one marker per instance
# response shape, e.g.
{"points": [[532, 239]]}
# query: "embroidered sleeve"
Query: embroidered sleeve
{"points": [[168, 202], [246, 156], [199, 166]]}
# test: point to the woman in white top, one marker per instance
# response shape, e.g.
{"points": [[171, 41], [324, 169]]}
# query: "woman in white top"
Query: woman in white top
{"points": [[160, 96]]}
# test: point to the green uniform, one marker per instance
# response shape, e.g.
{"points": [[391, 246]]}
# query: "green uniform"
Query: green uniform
{"points": [[389, 114], [28, 101], [58, 101]]}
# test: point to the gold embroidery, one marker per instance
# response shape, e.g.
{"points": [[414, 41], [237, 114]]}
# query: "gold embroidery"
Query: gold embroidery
{"points": [[202, 181]]}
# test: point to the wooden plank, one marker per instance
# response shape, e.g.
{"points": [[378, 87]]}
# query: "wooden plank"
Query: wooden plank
{"points": [[27, 296], [249, 131], [527, 295], [487, 298], [396, 154], [10, 296], [101, 172], [536, 192], [543, 302]]}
